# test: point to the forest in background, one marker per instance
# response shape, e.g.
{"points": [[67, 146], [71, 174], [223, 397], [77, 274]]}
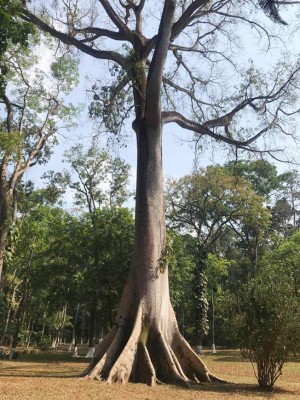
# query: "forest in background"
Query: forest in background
{"points": [[232, 237], [229, 227]]}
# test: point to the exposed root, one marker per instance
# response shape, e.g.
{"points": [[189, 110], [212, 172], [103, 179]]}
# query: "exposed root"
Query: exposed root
{"points": [[174, 375], [121, 370], [178, 365], [149, 374], [100, 350], [193, 366], [101, 370], [143, 352], [214, 378]]}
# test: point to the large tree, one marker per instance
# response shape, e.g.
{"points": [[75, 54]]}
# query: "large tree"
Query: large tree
{"points": [[153, 70], [31, 106], [100, 181], [211, 204]]}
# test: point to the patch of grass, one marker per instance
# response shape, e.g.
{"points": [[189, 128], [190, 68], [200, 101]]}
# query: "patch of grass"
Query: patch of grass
{"points": [[53, 375]]}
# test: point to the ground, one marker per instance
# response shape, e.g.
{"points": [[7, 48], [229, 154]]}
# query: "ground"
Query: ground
{"points": [[53, 376]]}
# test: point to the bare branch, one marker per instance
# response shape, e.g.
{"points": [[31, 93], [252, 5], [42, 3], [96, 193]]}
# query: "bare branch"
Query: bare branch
{"points": [[70, 40], [202, 129], [115, 18], [10, 115], [97, 32], [185, 18]]}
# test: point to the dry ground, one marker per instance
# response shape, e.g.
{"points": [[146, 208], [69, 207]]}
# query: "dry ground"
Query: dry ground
{"points": [[53, 376]]}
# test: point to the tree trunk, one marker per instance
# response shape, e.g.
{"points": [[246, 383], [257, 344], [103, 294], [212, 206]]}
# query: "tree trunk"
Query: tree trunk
{"points": [[145, 344], [4, 207], [73, 343], [29, 333], [18, 315], [213, 322], [92, 329]]}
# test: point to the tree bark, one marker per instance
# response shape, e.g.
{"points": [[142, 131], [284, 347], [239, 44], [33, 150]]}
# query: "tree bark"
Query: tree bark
{"points": [[92, 328], [4, 210], [145, 344]]}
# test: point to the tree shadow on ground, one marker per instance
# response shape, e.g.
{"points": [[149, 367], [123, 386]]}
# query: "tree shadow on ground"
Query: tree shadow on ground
{"points": [[233, 359], [236, 357], [240, 388], [57, 369]]}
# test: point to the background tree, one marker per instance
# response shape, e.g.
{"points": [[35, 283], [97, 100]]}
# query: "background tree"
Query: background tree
{"points": [[96, 178], [146, 326], [261, 174], [211, 204], [13, 31], [217, 270], [102, 181], [280, 191], [50, 277], [287, 203], [32, 107]]}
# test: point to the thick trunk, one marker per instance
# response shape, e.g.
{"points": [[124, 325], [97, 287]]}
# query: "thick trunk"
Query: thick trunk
{"points": [[145, 344]]}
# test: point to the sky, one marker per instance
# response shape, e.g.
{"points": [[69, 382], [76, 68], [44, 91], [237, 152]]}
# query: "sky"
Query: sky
{"points": [[178, 148], [178, 151]]}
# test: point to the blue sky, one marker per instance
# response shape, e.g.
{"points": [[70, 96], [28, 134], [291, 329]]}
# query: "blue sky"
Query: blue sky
{"points": [[178, 153]]}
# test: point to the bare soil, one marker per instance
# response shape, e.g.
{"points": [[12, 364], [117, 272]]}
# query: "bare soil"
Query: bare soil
{"points": [[53, 375]]}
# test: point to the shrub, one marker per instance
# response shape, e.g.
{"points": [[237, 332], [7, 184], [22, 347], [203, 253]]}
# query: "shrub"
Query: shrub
{"points": [[263, 319]]}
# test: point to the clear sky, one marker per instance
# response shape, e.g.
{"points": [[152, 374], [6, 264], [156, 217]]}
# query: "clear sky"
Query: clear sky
{"points": [[178, 151], [178, 148]]}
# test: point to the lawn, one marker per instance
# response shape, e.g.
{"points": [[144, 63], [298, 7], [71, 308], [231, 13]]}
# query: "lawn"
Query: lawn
{"points": [[54, 376]]}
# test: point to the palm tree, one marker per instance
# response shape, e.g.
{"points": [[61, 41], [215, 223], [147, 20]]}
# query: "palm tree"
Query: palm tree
{"points": [[271, 10]]}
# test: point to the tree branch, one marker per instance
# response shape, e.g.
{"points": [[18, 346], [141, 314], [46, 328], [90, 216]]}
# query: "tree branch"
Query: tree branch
{"points": [[155, 75], [9, 109], [98, 32], [176, 117], [185, 18], [70, 40], [115, 18]]}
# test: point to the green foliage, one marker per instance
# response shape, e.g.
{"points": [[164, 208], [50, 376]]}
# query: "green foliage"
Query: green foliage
{"points": [[223, 212], [112, 104], [261, 174], [3, 309], [181, 262], [285, 261], [37, 103], [200, 293], [101, 180], [282, 213], [263, 318], [10, 143], [211, 199], [65, 70], [55, 254], [217, 269], [12, 31]]}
